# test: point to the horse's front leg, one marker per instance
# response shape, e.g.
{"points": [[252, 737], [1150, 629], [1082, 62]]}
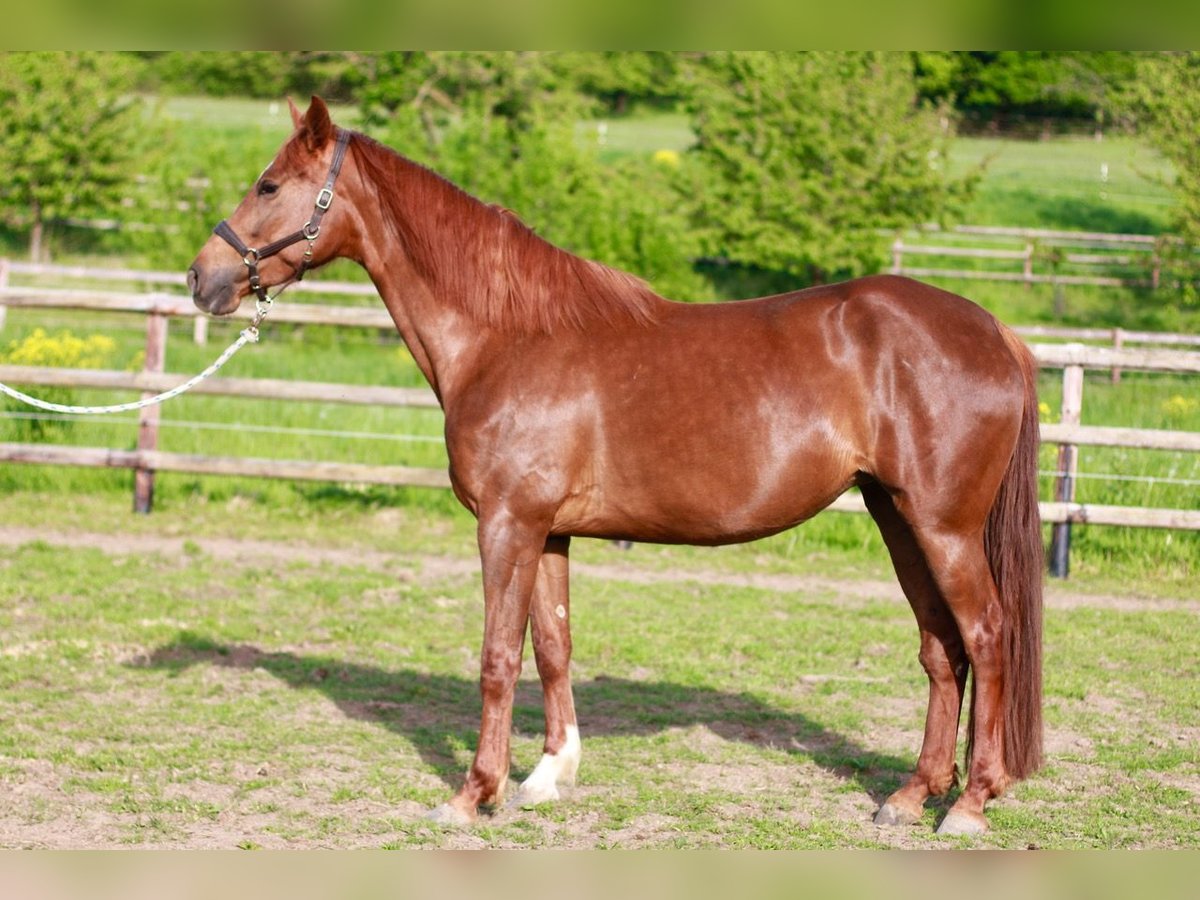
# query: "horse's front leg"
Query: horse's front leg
{"points": [[549, 620], [510, 550]]}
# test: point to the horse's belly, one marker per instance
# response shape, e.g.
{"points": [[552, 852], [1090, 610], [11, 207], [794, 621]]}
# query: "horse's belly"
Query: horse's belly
{"points": [[718, 497]]}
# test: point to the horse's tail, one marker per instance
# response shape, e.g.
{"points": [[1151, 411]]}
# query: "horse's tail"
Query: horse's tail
{"points": [[1013, 542]]}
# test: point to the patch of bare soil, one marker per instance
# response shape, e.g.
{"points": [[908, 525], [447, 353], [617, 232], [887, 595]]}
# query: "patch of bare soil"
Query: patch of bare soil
{"points": [[439, 568]]}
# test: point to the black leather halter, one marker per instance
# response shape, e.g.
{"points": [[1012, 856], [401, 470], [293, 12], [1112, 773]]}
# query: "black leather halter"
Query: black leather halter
{"points": [[307, 232]]}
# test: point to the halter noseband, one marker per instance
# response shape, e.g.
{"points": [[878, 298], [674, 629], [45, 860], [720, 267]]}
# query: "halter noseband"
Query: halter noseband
{"points": [[307, 232]]}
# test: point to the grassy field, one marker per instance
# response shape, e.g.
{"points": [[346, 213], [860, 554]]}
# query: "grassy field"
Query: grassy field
{"points": [[1069, 183], [221, 676]]}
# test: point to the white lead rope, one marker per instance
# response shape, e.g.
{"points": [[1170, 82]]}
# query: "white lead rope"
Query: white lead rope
{"points": [[249, 335]]}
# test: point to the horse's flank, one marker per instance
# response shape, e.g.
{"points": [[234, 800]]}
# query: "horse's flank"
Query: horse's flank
{"points": [[489, 264]]}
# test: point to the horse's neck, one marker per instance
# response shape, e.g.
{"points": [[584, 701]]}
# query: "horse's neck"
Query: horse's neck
{"points": [[443, 341]]}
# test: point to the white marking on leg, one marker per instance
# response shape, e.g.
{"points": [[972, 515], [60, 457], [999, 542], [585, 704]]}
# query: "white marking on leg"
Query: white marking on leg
{"points": [[551, 771], [560, 611]]}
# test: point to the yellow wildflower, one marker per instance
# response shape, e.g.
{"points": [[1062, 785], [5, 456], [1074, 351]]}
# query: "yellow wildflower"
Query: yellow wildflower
{"points": [[63, 350], [1178, 406], [667, 158]]}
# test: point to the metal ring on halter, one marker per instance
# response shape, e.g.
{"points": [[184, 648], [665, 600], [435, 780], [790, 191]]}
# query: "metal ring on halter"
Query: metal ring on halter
{"points": [[251, 257], [310, 235]]}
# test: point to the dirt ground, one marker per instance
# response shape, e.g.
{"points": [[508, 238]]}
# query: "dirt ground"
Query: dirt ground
{"points": [[1059, 594]]}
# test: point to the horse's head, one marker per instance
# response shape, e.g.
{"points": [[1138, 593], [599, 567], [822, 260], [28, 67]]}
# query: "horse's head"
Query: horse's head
{"points": [[285, 225]]}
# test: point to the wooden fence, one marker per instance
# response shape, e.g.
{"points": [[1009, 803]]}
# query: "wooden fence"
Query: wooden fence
{"points": [[1063, 257], [1068, 434]]}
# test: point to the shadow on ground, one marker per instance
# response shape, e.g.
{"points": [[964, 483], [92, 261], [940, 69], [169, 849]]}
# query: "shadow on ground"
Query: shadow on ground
{"points": [[438, 713]]}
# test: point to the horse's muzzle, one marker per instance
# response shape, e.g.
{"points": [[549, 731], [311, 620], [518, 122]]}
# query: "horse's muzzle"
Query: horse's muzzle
{"points": [[216, 296]]}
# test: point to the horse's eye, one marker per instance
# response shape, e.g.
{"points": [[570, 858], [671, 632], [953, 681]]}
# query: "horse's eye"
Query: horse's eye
{"points": [[267, 187]]}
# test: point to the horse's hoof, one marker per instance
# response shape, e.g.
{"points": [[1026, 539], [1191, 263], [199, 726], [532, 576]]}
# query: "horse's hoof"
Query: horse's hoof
{"points": [[896, 815], [959, 822], [532, 794], [449, 816]]}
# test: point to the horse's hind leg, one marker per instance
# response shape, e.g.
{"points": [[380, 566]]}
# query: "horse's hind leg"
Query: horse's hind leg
{"points": [[942, 656], [963, 575], [549, 619]]}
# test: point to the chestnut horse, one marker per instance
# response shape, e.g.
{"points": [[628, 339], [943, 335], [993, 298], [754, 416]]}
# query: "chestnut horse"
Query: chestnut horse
{"points": [[579, 402]]}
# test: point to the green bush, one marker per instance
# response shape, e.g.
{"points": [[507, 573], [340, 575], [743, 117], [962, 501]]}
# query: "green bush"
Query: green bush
{"points": [[61, 350]]}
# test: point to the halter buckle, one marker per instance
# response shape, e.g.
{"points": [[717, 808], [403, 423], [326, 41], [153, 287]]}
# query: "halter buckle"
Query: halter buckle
{"points": [[324, 198], [262, 306]]}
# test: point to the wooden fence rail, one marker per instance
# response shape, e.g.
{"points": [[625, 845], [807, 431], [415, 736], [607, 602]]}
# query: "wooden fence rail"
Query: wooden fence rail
{"points": [[1028, 257], [1133, 260], [260, 388], [1063, 511]]}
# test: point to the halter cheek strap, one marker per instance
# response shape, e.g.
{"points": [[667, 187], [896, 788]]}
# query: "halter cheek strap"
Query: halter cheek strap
{"points": [[308, 232]]}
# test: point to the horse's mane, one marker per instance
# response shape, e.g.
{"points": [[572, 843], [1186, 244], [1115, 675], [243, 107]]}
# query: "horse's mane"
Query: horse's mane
{"points": [[482, 258]]}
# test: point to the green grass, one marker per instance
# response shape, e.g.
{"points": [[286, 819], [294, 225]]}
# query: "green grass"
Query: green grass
{"points": [[1069, 183], [293, 697]]}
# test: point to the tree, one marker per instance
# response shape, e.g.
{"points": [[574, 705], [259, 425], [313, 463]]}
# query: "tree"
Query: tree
{"points": [[70, 138], [621, 78], [1167, 101], [990, 84], [269, 74], [801, 158]]}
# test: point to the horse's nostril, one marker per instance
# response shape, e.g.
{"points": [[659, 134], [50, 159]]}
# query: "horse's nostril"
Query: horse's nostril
{"points": [[193, 279]]}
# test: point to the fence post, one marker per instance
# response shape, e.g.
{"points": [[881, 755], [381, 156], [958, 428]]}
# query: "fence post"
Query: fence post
{"points": [[200, 330], [1068, 466], [1027, 269], [897, 256], [156, 351], [1118, 339], [3, 285]]}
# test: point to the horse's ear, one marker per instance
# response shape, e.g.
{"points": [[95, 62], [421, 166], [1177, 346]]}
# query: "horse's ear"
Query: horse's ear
{"points": [[295, 114], [316, 128]]}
